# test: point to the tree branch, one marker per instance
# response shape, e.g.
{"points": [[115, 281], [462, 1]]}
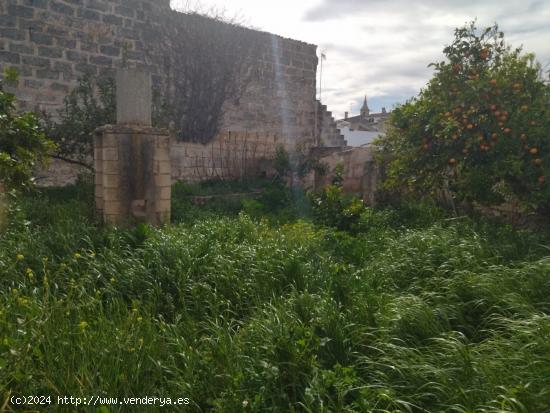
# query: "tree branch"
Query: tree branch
{"points": [[73, 162]]}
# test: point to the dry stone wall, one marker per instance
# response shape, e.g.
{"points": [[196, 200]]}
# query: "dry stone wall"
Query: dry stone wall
{"points": [[54, 42]]}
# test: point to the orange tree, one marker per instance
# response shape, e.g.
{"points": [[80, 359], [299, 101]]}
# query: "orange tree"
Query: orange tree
{"points": [[23, 145], [480, 130]]}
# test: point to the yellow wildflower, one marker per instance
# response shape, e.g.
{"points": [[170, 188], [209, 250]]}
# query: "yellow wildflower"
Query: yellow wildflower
{"points": [[30, 274], [20, 257], [140, 319], [77, 255], [83, 325]]}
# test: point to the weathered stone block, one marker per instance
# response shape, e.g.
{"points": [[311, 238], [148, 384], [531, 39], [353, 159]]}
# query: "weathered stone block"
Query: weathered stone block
{"points": [[101, 60], [134, 97], [9, 57], [163, 180], [163, 205], [89, 15], [41, 38], [111, 181], [165, 193], [50, 52], [14, 34], [20, 11], [110, 50], [111, 207], [112, 19], [61, 8], [47, 74], [110, 154], [110, 167]]}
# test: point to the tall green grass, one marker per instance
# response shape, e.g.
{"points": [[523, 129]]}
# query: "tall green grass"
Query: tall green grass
{"points": [[239, 314]]}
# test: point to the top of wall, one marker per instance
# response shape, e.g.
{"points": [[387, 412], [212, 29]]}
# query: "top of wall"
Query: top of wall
{"points": [[258, 31]]}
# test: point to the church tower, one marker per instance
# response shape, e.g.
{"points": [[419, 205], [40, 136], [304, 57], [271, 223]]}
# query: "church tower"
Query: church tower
{"points": [[365, 111]]}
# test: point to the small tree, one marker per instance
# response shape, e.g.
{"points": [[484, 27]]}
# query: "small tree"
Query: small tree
{"points": [[479, 130], [208, 68], [91, 104], [23, 145]]}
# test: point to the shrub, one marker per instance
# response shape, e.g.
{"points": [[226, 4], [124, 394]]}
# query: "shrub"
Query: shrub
{"points": [[23, 145], [91, 104]]}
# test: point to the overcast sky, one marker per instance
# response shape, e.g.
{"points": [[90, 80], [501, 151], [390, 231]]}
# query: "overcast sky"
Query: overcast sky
{"points": [[382, 47]]}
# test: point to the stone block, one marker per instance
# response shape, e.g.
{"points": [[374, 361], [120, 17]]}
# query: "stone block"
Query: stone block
{"points": [[50, 52], [110, 167], [110, 50], [9, 57], [111, 181], [161, 155], [21, 11], [165, 193], [110, 154], [163, 180], [13, 34], [61, 8], [112, 207], [134, 97], [101, 60], [109, 140], [21, 48], [47, 74], [111, 19], [162, 205], [41, 38], [88, 14], [111, 194]]}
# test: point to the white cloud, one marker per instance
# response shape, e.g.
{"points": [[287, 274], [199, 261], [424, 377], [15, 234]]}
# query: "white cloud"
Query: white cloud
{"points": [[382, 47]]}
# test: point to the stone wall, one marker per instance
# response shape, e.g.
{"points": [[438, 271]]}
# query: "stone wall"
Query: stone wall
{"points": [[53, 42], [230, 156], [362, 174]]}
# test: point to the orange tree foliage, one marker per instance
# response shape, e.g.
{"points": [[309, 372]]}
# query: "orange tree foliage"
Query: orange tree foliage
{"points": [[480, 130]]}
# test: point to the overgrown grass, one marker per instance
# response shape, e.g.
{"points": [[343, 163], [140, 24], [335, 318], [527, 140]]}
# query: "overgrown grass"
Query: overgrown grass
{"points": [[407, 314]]}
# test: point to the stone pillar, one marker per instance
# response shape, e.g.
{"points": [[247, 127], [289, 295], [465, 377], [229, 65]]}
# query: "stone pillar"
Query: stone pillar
{"points": [[132, 159]]}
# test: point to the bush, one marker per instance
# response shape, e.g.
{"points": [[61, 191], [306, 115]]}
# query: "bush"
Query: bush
{"points": [[87, 107], [23, 146]]}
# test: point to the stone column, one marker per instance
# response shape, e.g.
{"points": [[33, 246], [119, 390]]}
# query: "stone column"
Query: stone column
{"points": [[132, 159]]}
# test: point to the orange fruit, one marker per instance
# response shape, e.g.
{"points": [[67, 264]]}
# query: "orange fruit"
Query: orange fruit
{"points": [[452, 161], [493, 82], [537, 161], [533, 151], [470, 126], [523, 136], [507, 131]]}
